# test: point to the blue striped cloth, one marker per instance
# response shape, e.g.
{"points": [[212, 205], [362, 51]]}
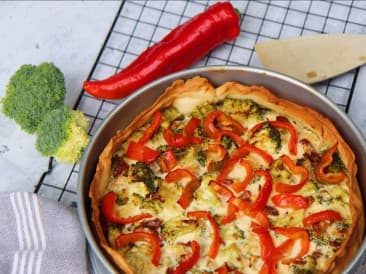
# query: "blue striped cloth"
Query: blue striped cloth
{"points": [[39, 236]]}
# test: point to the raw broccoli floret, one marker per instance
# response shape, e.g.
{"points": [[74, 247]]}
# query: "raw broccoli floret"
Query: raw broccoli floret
{"points": [[63, 134], [31, 92]]}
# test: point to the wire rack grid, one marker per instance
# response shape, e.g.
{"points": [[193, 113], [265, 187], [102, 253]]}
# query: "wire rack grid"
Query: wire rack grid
{"points": [[139, 24]]}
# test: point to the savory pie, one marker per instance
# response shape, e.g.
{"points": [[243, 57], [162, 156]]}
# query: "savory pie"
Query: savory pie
{"points": [[227, 180]]}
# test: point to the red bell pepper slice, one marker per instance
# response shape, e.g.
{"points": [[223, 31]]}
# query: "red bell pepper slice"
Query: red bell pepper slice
{"points": [[325, 215], [287, 200], [190, 187], [153, 127], [216, 155], [267, 246], [187, 264], [167, 161], [142, 153], [241, 186], [191, 126], [245, 149], [236, 138], [265, 191], [283, 124], [179, 140], [227, 194], [124, 239], [109, 212], [222, 269], [223, 120], [295, 233], [287, 188], [325, 161], [246, 209], [237, 186], [214, 247]]}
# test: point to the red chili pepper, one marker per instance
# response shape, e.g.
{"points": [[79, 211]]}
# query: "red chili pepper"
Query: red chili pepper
{"points": [[214, 247], [139, 152], [283, 124], [110, 214], [293, 201], [325, 215], [190, 187], [187, 264], [295, 233], [265, 191], [325, 161], [132, 237], [287, 188], [182, 47], [153, 127], [167, 161]]}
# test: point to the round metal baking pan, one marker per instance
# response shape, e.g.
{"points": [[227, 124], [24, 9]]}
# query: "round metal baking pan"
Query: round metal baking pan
{"points": [[281, 85]]}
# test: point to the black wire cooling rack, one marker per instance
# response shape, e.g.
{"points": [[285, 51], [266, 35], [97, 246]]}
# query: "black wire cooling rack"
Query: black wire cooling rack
{"points": [[139, 24]]}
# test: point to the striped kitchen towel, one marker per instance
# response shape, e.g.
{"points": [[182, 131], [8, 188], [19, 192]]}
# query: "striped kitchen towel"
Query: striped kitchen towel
{"points": [[39, 236]]}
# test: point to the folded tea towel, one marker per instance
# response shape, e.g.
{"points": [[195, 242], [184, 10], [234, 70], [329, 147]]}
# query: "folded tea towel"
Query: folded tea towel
{"points": [[38, 235]]}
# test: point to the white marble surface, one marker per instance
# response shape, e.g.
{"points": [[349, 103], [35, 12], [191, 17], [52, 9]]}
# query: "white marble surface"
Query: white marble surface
{"points": [[69, 34]]}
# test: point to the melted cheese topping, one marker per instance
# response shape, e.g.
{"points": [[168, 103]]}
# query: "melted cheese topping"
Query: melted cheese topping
{"points": [[240, 248]]}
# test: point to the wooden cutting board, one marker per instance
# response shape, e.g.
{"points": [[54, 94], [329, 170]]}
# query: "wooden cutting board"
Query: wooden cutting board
{"points": [[313, 58]]}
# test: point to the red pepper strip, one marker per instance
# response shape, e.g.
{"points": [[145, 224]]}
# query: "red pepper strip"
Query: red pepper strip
{"points": [[142, 153], [223, 120], [241, 186], [237, 186], [325, 215], [190, 187], [153, 127], [191, 126], [283, 124], [209, 127], [236, 138], [295, 233], [222, 270], [214, 247], [216, 155], [287, 188], [265, 191], [179, 140], [132, 237], [243, 150], [227, 193], [167, 161], [139, 152], [267, 248], [187, 264], [246, 208], [293, 201], [109, 212], [182, 47], [325, 161]]}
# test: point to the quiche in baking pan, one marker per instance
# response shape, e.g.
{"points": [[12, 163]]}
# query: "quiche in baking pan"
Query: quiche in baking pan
{"points": [[228, 179]]}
